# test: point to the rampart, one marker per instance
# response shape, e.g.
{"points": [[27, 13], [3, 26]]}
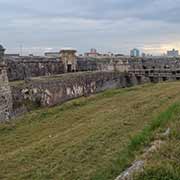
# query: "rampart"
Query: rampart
{"points": [[27, 67], [5, 96], [41, 82], [50, 91], [5, 92]]}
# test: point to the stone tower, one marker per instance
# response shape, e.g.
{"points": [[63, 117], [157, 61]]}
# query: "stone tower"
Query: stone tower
{"points": [[69, 59], [5, 92]]}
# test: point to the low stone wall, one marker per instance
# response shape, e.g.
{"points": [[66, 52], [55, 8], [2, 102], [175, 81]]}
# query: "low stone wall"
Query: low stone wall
{"points": [[50, 91]]}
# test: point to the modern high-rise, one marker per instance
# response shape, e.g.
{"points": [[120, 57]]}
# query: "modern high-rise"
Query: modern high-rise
{"points": [[135, 52]]}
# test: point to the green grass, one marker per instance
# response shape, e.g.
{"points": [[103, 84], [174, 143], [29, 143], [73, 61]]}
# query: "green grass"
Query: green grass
{"points": [[95, 137], [164, 164], [139, 141]]}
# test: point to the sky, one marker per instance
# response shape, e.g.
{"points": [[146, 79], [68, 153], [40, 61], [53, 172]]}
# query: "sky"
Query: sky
{"points": [[30, 26]]}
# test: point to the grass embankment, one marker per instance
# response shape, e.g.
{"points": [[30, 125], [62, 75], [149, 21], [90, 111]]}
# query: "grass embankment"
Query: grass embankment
{"points": [[164, 164], [142, 139], [88, 138]]}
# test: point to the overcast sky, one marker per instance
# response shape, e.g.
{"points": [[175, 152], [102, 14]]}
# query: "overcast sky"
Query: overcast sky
{"points": [[153, 26]]}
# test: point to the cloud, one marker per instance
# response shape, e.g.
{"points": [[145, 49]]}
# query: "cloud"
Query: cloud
{"points": [[109, 25]]}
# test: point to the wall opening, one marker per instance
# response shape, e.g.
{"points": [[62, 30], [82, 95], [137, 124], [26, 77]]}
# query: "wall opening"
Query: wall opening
{"points": [[139, 79], [152, 79], [128, 81], [69, 68], [165, 78]]}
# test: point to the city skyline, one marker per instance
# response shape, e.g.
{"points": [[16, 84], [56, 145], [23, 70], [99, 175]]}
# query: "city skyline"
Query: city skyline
{"points": [[116, 25]]}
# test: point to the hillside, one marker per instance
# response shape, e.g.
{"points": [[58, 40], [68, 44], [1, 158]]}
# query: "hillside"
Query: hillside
{"points": [[95, 137]]}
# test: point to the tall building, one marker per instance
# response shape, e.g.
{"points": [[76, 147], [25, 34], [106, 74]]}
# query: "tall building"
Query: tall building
{"points": [[173, 53], [134, 53]]}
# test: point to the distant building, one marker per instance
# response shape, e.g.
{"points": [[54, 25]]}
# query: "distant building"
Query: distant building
{"points": [[134, 53], [143, 55], [12, 55], [173, 53], [52, 54], [93, 53], [119, 55], [110, 54]]}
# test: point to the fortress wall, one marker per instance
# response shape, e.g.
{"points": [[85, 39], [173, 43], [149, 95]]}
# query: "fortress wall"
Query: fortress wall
{"points": [[24, 69], [27, 67], [103, 64], [5, 91], [50, 91], [55, 89], [155, 63], [5, 96]]}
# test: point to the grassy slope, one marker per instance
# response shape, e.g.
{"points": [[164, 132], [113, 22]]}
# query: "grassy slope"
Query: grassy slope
{"points": [[83, 138], [164, 164]]}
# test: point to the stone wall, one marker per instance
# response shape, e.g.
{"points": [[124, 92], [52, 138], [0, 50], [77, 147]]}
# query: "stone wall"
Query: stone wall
{"points": [[55, 89], [24, 68], [124, 64], [154, 63], [5, 91], [50, 91], [103, 64], [27, 67], [5, 95]]}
